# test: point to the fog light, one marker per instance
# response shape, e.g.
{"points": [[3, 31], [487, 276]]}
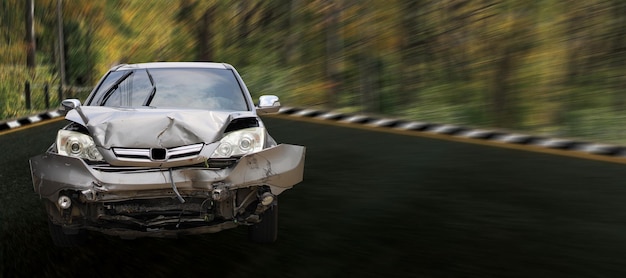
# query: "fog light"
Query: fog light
{"points": [[64, 202], [267, 198], [220, 194]]}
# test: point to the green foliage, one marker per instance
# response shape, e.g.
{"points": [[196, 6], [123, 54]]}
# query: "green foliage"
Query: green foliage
{"points": [[554, 67], [12, 96]]}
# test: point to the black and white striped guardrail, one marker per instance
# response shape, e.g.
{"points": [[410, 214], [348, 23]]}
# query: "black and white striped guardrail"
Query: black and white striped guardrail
{"points": [[459, 131], [401, 124], [11, 124]]}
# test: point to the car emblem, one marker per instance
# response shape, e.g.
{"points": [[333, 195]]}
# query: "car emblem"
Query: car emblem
{"points": [[158, 154]]}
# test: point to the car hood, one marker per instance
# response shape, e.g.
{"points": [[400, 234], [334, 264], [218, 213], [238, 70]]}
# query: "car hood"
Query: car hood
{"points": [[152, 127]]}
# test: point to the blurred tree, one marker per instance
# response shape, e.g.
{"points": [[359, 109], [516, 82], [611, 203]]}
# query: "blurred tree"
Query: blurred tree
{"points": [[334, 52], [509, 45], [617, 53], [415, 49], [13, 38], [551, 66], [198, 18], [80, 22], [291, 46], [30, 33]]}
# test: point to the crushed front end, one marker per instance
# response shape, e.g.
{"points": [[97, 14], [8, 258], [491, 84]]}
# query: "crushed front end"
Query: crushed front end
{"points": [[163, 172], [163, 149], [161, 202]]}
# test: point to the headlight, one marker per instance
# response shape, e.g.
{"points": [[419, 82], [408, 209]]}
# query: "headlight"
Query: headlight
{"points": [[76, 144], [240, 142]]}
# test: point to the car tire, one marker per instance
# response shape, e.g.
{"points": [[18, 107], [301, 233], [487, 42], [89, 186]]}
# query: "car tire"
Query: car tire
{"points": [[265, 231], [61, 239]]}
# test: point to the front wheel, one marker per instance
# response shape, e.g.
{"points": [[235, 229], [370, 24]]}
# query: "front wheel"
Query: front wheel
{"points": [[61, 239], [265, 231]]}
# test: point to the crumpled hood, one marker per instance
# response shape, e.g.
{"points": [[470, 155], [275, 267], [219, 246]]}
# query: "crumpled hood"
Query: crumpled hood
{"points": [[152, 128]]}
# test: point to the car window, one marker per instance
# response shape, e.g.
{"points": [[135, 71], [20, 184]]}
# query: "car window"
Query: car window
{"points": [[105, 85], [200, 88], [212, 89], [133, 91]]}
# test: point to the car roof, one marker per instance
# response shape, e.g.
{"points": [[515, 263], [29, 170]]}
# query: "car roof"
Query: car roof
{"points": [[155, 65]]}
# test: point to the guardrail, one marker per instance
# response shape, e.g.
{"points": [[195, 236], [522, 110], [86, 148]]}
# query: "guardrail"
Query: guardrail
{"points": [[43, 116], [613, 153], [616, 153]]}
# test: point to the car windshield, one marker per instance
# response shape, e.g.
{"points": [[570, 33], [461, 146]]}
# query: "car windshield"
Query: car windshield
{"points": [[199, 88]]}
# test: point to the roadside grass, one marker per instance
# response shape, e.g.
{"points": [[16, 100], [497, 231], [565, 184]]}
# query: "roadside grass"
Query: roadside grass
{"points": [[12, 86], [12, 91]]}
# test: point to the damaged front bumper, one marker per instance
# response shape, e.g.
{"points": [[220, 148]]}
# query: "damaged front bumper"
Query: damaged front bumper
{"points": [[134, 202]]}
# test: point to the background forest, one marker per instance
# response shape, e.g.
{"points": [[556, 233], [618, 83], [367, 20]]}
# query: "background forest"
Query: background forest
{"points": [[551, 67]]}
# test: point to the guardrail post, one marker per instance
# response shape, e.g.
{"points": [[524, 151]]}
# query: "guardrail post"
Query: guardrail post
{"points": [[27, 94], [60, 93], [46, 95]]}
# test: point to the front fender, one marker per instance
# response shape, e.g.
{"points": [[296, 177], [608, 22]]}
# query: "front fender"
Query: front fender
{"points": [[280, 167]]}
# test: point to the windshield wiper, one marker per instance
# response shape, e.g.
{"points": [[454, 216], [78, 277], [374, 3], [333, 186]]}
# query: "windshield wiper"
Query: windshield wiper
{"points": [[151, 96], [113, 87]]}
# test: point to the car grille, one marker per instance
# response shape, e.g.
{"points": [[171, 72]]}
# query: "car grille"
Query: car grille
{"points": [[158, 154]]}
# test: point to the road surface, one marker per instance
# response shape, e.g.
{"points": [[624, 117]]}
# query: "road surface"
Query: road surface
{"points": [[372, 204]]}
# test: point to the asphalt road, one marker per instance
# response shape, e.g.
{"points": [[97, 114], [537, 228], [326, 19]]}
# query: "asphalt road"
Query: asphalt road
{"points": [[372, 204]]}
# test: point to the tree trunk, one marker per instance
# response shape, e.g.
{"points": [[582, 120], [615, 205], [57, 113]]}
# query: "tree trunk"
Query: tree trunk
{"points": [[618, 56], [205, 35], [369, 80], [333, 52], [291, 53], [61, 40], [501, 104], [30, 34]]}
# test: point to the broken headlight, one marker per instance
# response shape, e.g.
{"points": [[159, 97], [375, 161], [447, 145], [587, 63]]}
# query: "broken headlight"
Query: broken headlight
{"points": [[240, 142], [76, 144]]}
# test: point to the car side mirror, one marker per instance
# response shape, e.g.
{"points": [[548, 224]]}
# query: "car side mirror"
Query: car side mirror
{"points": [[268, 104], [69, 104]]}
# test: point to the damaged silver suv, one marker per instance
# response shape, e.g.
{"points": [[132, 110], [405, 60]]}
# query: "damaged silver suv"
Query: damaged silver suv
{"points": [[164, 149]]}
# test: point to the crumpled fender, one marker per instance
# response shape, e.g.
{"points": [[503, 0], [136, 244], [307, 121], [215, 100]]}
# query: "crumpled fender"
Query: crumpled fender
{"points": [[280, 167]]}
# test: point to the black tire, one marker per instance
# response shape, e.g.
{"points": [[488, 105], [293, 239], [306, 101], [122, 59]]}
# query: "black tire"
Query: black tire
{"points": [[61, 239], [265, 231]]}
